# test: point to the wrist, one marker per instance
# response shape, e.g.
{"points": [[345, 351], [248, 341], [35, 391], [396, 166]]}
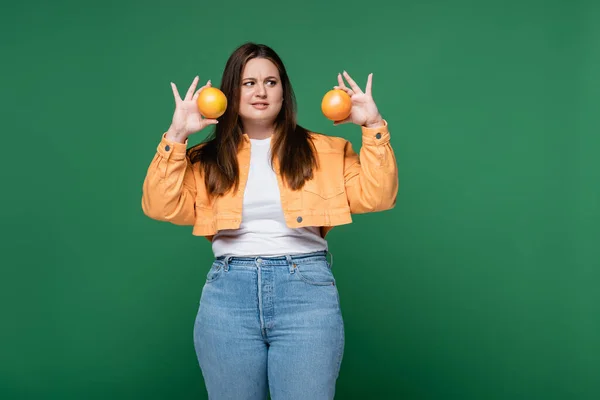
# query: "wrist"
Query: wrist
{"points": [[175, 136], [375, 123]]}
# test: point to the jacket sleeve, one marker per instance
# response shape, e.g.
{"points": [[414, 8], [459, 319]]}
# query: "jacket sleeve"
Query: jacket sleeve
{"points": [[169, 188], [371, 178]]}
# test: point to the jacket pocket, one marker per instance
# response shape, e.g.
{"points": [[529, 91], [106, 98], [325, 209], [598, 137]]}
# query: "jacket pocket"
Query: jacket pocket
{"points": [[324, 190]]}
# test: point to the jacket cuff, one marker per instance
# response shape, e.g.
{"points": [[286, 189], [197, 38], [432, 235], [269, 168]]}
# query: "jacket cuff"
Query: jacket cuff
{"points": [[378, 136], [171, 150]]}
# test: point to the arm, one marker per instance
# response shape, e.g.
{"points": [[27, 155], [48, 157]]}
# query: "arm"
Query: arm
{"points": [[371, 178], [169, 189]]}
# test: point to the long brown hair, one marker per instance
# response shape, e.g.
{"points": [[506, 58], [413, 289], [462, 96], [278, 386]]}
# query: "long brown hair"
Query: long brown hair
{"points": [[292, 144]]}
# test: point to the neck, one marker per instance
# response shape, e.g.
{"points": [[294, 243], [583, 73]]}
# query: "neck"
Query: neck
{"points": [[259, 130]]}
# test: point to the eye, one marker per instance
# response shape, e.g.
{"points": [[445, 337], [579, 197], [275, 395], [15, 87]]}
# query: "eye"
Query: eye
{"points": [[249, 83], [272, 82]]}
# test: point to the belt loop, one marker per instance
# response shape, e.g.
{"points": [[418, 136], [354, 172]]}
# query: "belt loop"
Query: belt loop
{"points": [[290, 263], [227, 258], [331, 255]]}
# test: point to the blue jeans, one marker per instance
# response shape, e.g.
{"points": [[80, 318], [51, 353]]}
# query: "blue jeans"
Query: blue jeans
{"points": [[270, 324]]}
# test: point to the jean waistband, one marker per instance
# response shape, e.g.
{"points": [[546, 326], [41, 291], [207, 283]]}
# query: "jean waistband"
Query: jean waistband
{"points": [[275, 260]]}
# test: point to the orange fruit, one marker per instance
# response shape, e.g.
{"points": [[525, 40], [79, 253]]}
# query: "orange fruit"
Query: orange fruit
{"points": [[211, 102], [336, 105]]}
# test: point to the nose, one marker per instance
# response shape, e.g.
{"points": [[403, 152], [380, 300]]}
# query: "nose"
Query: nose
{"points": [[260, 90]]}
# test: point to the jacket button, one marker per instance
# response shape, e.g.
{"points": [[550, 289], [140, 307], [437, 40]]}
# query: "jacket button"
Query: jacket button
{"points": [[299, 219], [378, 136], [167, 148]]}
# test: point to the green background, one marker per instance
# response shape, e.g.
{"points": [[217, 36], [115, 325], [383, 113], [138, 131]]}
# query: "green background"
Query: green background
{"points": [[482, 283]]}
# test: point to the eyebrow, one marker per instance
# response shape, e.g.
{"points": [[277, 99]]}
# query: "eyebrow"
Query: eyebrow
{"points": [[253, 79]]}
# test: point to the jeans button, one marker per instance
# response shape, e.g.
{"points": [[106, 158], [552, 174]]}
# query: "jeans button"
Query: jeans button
{"points": [[299, 219]]}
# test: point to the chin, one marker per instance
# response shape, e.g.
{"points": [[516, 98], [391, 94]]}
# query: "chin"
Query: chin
{"points": [[256, 115]]}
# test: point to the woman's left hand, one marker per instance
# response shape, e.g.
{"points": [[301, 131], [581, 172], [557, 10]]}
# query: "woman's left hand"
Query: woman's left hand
{"points": [[364, 111]]}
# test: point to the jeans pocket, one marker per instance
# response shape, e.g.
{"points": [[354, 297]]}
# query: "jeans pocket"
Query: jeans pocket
{"points": [[215, 271], [315, 273]]}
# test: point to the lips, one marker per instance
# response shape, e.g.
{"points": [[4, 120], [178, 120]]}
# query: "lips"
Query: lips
{"points": [[260, 106]]}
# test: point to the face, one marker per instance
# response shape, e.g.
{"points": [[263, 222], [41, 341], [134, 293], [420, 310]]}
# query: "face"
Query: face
{"points": [[261, 93]]}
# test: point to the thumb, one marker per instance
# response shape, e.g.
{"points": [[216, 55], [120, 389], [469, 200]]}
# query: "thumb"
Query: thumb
{"points": [[344, 121]]}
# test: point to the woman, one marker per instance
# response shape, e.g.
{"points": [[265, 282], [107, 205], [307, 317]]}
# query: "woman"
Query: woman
{"points": [[266, 192]]}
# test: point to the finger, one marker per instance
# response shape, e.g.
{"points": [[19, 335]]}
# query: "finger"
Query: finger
{"points": [[353, 84], [345, 89], [192, 88], [209, 121], [208, 84], [369, 84], [175, 93], [341, 81]]}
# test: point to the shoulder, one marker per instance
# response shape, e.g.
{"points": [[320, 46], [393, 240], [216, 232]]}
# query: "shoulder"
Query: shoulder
{"points": [[199, 151], [324, 143]]}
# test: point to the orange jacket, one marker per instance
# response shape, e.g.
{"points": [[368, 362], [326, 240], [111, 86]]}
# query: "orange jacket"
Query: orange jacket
{"points": [[346, 183]]}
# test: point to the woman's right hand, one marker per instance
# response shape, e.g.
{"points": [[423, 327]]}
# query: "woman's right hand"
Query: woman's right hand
{"points": [[187, 118]]}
